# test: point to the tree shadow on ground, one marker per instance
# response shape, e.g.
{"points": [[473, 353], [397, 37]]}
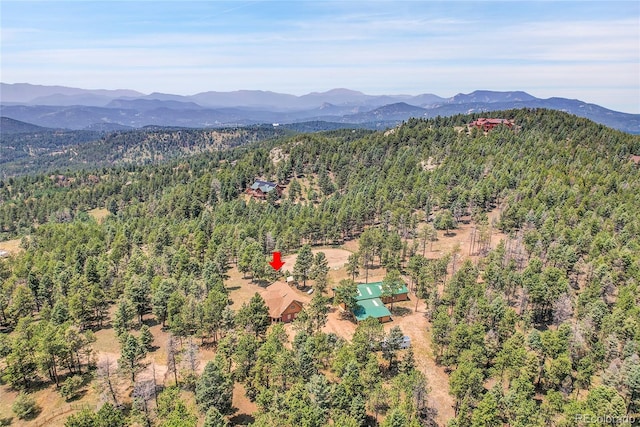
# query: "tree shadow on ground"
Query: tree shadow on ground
{"points": [[150, 321], [262, 283], [401, 311], [427, 417], [78, 395], [242, 419]]}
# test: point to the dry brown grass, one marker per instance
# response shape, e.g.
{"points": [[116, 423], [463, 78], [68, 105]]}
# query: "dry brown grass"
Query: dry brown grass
{"points": [[11, 246], [99, 214], [336, 258], [50, 401]]}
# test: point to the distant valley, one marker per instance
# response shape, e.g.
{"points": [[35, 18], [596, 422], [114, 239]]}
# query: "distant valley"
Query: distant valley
{"points": [[61, 107]]}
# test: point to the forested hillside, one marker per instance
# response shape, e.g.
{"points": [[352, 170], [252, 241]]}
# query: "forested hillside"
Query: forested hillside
{"points": [[542, 329], [34, 152]]}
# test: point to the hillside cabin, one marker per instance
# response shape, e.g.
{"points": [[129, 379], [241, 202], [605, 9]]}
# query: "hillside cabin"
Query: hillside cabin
{"points": [[282, 302], [260, 189], [488, 124], [375, 290]]}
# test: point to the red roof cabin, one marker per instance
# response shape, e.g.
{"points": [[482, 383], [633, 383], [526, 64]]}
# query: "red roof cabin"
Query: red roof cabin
{"points": [[488, 124], [260, 189]]}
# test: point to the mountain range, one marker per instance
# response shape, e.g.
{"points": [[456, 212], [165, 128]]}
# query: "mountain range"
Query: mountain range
{"points": [[62, 107]]}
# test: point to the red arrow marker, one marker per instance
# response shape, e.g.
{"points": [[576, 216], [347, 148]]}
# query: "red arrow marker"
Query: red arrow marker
{"points": [[277, 263]]}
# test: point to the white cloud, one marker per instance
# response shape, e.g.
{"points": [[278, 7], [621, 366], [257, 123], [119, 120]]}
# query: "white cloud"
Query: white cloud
{"points": [[377, 52]]}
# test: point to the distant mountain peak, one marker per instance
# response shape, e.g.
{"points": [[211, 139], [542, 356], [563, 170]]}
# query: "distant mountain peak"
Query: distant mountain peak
{"points": [[339, 91], [10, 126], [26, 92], [57, 106], [491, 96], [399, 106]]}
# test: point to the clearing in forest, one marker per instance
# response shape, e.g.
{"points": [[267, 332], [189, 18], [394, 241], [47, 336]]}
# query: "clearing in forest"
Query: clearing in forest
{"points": [[11, 247], [99, 214], [336, 258]]}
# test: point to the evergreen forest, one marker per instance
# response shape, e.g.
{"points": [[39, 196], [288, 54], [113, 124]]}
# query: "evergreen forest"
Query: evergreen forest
{"points": [[540, 327]]}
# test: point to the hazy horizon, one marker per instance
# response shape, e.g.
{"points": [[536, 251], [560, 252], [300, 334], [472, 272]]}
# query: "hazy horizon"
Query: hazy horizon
{"points": [[572, 49]]}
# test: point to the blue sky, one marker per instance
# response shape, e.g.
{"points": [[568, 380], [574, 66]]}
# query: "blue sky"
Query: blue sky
{"points": [[586, 50]]}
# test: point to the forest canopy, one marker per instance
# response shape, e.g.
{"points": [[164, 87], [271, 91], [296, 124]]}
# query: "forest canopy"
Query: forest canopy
{"points": [[537, 330]]}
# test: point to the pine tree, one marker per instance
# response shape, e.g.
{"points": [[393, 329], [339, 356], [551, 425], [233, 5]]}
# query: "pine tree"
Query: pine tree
{"points": [[346, 294], [160, 300], [214, 418], [146, 337], [392, 344], [319, 271], [303, 264], [408, 363], [138, 293], [132, 352], [358, 410], [466, 382], [25, 407], [109, 415], [122, 317], [255, 315], [22, 303], [353, 265], [487, 412], [20, 361], [397, 418], [391, 284], [319, 391], [181, 416], [368, 335], [60, 312], [318, 311], [214, 390], [70, 387]]}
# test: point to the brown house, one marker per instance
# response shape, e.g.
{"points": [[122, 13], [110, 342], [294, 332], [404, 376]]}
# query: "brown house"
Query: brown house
{"points": [[260, 189], [282, 302], [488, 124]]}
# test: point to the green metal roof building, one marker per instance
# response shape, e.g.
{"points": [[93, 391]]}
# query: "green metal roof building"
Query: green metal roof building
{"points": [[373, 307], [371, 303], [374, 290]]}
